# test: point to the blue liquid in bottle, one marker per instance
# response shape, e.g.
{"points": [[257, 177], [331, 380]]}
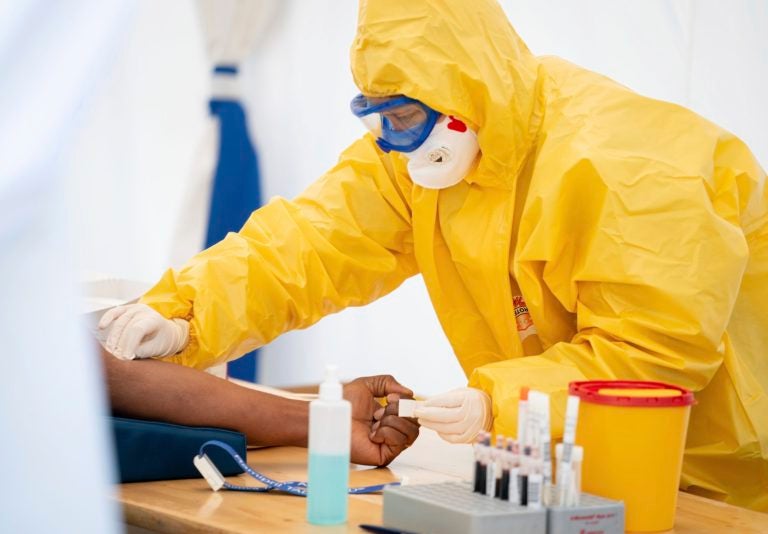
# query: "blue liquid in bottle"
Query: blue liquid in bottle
{"points": [[329, 441], [328, 485]]}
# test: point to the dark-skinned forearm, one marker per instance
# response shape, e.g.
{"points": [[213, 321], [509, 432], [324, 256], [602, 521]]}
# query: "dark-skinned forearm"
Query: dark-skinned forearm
{"points": [[152, 389]]}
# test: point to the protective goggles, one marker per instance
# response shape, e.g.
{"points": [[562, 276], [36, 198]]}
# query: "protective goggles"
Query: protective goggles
{"points": [[398, 122]]}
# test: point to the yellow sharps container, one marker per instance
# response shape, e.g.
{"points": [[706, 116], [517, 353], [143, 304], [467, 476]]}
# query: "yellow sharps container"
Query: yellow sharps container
{"points": [[633, 434]]}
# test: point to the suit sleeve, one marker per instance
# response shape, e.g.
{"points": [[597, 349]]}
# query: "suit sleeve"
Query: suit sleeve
{"points": [[345, 241]]}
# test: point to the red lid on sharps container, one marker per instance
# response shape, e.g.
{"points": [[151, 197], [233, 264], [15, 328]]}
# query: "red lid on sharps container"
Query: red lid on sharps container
{"points": [[631, 393]]}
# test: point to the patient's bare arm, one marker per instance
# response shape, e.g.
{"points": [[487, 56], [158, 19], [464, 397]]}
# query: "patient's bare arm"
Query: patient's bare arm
{"points": [[153, 389]]}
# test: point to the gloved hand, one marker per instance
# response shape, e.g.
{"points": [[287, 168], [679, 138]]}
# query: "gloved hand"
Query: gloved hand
{"points": [[138, 331], [457, 416]]}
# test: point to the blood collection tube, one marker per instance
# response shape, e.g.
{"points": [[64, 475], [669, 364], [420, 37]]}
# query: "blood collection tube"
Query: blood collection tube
{"points": [[499, 460], [490, 468], [525, 466], [535, 480], [477, 448], [514, 474], [504, 492], [484, 453]]}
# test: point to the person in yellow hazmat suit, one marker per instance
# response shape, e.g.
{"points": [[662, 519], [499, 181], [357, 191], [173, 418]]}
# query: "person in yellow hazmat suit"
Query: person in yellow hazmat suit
{"points": [[566, 228]]}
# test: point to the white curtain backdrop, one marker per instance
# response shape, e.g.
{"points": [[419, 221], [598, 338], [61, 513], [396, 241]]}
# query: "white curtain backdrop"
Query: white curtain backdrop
{"points": [[136, 155], [231, 29]]}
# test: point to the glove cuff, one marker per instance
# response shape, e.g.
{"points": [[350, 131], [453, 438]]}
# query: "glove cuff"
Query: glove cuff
{"points": [[182, 336], [488, 411]]}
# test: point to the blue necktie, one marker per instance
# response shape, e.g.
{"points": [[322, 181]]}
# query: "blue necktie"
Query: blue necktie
{"points": [[236, 191]]}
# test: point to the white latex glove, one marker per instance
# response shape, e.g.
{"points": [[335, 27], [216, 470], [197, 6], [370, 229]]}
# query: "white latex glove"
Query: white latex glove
{"points": [[457, 416], [138, 331]]}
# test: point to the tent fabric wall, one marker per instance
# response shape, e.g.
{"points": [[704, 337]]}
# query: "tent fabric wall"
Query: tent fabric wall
{"points": [[704, 54]]}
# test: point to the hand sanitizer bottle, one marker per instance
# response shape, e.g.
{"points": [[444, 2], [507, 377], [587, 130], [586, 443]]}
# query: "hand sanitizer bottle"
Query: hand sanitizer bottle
{"points": [[330, 418]]}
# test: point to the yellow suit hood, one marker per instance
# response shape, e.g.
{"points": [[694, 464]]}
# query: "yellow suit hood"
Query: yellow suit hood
{"points": [[459, 58]]}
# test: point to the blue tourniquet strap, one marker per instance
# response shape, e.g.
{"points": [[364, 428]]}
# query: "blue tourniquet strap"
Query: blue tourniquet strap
{"points": [[294, 487]]}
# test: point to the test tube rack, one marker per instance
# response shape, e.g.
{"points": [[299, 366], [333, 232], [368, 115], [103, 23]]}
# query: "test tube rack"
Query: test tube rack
{"points": [[452, 507], [593, 514]]}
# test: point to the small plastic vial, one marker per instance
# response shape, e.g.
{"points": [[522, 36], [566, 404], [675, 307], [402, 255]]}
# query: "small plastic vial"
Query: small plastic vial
{"points": [[577, 456], [330, 418], [571, 495]]}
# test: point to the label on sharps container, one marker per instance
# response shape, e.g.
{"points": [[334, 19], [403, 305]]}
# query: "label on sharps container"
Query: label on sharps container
{"points": [[525, 326]]}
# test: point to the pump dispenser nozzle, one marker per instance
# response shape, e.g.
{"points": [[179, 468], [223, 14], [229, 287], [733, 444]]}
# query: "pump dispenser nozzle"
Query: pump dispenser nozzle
{"points": [[330, 388]]}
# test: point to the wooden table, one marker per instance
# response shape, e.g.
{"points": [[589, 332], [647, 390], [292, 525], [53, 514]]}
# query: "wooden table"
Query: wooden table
{"points": [[189, 506]]}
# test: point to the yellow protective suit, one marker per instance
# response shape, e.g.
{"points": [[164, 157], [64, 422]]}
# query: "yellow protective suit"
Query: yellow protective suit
{"points": [[636, 231]]}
